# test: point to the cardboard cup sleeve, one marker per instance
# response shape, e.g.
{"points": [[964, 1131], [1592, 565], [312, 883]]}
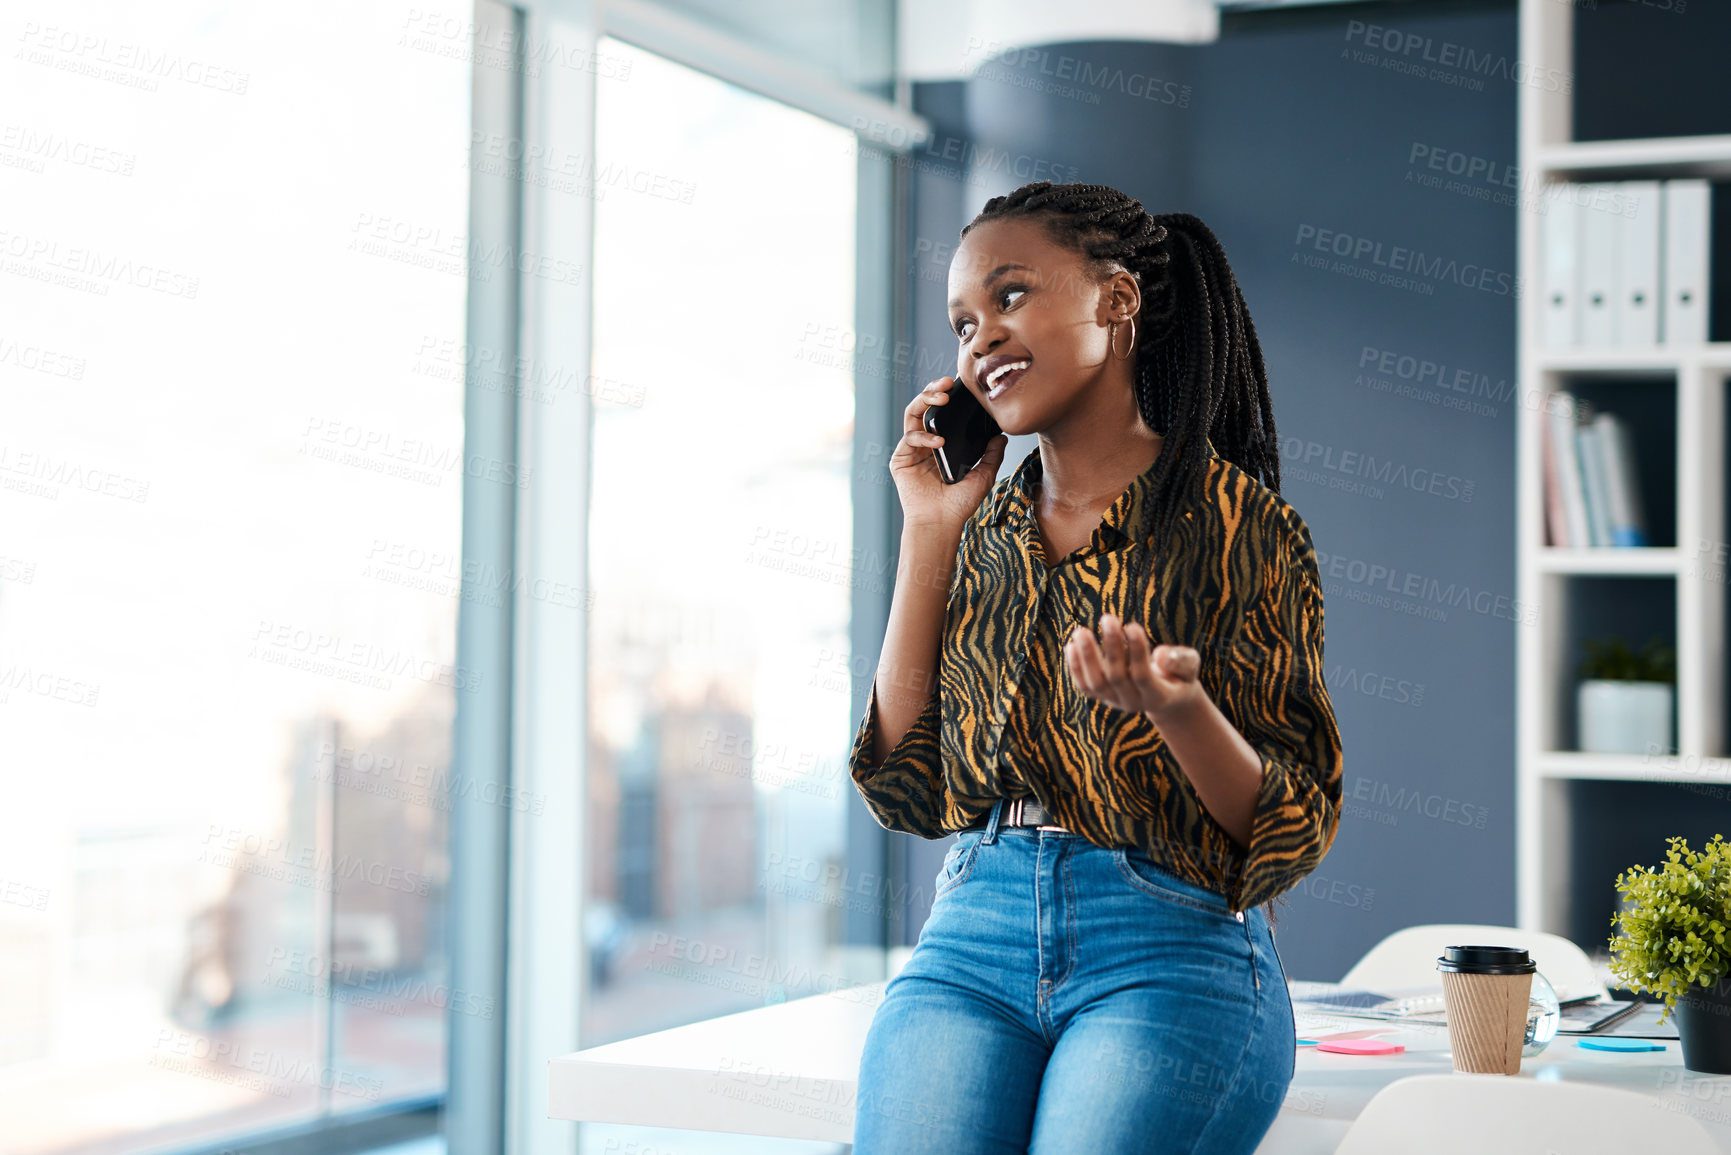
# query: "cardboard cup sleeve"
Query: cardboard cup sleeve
{"points": [[1487, 1021]]}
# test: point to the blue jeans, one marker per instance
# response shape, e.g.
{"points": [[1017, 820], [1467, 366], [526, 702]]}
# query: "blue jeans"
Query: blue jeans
{"points": [[1069, 999]]}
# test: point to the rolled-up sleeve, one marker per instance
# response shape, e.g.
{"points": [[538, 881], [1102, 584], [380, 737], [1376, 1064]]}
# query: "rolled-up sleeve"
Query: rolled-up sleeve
{"points": [[906, 792], [1284, 712]]}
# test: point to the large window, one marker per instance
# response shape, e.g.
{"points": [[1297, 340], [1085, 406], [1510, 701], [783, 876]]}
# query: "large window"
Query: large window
{"points": [[232, 282], [720, 540]]}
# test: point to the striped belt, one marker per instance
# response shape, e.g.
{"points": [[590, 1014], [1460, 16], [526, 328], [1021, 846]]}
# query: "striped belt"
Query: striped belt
{"points": [[1025, 811]]}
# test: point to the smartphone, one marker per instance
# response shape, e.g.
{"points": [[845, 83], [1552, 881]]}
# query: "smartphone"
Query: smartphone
{"points": [[965, 426]]}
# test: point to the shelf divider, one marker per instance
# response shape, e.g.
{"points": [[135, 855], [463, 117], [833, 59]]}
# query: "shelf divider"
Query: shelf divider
{"points": [[1659, 157], [1700, 533]]}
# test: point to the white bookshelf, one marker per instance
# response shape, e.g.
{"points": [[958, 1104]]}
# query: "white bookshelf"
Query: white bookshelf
{"points": [[1695, 378]]}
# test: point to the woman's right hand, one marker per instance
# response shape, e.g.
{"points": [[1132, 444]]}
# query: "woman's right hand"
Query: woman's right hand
{"points": [[925, 499]]}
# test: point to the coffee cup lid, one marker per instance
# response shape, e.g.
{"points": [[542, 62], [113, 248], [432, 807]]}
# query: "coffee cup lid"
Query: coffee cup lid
{"points": [[1486, 960]]}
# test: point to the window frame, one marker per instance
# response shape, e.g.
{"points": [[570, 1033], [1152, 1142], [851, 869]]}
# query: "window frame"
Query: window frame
{"points": [[518, 887]]}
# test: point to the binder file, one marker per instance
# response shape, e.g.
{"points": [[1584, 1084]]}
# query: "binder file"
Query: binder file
{"points": [[1628, 520], [1687, 238], [1555, 509], [1559, 260], [1561, 429], [1637, 271], [1593, 483], [1595, 323]]}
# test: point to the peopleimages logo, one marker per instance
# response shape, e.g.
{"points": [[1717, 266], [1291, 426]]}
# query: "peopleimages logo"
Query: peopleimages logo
{"points": [[950, 152], [1069, 76], [1401, 590], [228, 846], [1396, 800], [1353, 463], [1444, 60], [1386, 260]]}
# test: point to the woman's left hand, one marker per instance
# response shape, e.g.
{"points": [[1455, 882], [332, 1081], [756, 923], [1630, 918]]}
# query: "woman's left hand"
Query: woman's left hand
{"points": [[1122, 670]]}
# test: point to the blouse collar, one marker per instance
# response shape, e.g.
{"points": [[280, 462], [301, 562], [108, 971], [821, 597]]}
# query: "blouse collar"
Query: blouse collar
{"points": [[1015, 498]]}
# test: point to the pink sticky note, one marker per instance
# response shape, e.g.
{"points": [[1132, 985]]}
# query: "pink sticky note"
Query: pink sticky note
{"points": [[1360, 1046]]}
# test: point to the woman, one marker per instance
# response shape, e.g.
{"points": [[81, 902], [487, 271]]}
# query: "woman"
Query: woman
{"points": [[1095, 975]]}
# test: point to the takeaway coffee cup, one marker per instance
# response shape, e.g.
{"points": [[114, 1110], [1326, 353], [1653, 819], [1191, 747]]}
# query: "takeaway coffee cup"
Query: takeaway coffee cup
{"points": [[1485, 998]]}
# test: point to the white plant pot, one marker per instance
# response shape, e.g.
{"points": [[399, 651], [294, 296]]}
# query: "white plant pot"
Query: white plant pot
{"points": [[1617, 717]]}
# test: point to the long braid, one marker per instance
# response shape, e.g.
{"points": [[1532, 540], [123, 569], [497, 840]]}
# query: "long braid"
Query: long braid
{"points": [[1198, 367]]}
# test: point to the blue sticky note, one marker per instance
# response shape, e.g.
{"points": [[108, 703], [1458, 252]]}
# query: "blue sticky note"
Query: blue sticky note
{"points": [[1621, 1044]]}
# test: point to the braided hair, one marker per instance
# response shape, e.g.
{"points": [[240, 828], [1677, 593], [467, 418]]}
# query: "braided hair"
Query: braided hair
{"points": [[1198, 368]]}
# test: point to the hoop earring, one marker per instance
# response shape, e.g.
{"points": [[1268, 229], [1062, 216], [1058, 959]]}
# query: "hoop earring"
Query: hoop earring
{"points": [[1114, 340]]}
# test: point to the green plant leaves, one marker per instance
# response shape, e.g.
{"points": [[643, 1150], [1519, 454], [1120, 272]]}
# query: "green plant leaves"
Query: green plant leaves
{"points": [[1672, 934], [1611, 658]]}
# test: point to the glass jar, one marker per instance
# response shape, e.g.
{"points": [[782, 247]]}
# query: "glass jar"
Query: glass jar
{"points": [[1544, 1016]]}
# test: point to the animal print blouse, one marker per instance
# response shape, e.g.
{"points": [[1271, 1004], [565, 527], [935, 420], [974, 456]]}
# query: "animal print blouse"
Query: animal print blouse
{"points": [[1240, 585]]}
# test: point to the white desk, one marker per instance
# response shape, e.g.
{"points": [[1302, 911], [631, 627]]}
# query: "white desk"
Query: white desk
{"points": [[789, 1071]]}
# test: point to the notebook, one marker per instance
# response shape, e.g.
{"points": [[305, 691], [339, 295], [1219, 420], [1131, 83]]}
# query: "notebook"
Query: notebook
{"points": [[1585, 1018], [1422, 1003]]}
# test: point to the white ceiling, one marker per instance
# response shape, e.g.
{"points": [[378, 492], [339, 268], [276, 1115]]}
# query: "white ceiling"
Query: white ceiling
{"points": [[950, 39]]}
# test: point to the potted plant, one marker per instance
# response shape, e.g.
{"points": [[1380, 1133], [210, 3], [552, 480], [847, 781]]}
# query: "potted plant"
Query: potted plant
{"points": [[1623, 704], [1670, 940]]}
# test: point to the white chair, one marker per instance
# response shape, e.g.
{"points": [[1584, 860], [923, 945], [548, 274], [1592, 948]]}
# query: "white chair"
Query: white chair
{"points": [[1407, 958], [1451, 1114]]}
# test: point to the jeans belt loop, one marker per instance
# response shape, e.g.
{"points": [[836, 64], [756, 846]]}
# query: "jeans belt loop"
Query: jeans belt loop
{"points": [[992, 817]]}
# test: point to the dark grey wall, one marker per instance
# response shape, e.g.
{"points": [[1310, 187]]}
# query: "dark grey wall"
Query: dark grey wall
{"points": [[1291, 130]]}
